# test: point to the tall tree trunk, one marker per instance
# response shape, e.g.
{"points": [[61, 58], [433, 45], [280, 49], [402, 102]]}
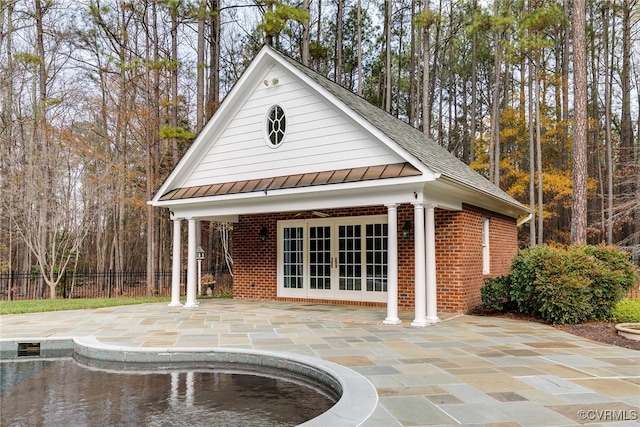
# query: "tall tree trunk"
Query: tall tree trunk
{"points": [[41, 130], [6, 118], [213, 98], [474, 85], [304, 54], [200, 113], [435, 68], [399, 70], [579, 198], [565, 79], [636, 241], [338, 66], [319, 23], [359, 41], [426, 104], [388, 16], [537, 119], [532, 157], [494, 149], [626, 131], [607, 126], [626, 152], [412, 69], [152, 219], [174, 68]]}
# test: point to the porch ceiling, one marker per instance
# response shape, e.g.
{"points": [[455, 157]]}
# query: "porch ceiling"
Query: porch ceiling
{"points": [[312, 179]]}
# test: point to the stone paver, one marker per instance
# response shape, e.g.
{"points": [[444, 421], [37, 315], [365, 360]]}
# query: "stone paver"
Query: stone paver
{"points": [[466, 370]]}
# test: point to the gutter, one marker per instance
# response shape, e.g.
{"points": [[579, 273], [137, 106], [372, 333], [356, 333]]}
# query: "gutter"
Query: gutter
{"points": [[514, 204], [524, 220]]}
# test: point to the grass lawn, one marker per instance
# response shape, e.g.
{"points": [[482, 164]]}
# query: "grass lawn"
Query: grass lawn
{"points": [[35, 306]]}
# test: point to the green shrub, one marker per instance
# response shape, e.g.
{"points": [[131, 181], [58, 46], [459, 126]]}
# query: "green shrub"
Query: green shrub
{"points": [[627, 310], [613, 275], [559, 291], [558, 285], [495, 294]]}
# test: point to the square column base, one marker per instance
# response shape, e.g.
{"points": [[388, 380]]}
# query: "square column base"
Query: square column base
{"points": [[433, 320], [191, 304]]}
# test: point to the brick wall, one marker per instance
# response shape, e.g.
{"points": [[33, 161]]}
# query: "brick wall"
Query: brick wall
{"points": [[458, 254]]}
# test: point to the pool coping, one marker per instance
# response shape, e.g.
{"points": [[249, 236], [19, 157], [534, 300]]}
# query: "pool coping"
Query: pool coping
{"points": [[357, 402]]}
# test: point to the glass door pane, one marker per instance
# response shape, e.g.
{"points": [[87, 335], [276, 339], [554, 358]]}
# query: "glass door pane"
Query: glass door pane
{"points": [[350, 257], [293, 257], [376, 253], [320, 257]]}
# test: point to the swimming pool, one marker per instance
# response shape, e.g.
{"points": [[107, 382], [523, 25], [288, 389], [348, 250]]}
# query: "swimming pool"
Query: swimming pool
{"points": [[62, 392], [356, 397]]}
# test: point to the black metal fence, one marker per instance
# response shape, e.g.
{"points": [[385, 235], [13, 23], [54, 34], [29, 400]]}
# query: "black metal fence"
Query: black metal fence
{"points": [[105, 284]]}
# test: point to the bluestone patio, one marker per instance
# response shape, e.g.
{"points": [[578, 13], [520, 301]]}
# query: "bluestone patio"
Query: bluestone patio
{"points": [[465, 370]]}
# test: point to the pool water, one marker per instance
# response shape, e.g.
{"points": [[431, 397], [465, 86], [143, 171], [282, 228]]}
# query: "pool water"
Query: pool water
{"points": [[61, 392]]}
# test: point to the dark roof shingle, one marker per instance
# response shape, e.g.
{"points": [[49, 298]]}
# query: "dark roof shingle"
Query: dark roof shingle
{"points": [[431, 154]]}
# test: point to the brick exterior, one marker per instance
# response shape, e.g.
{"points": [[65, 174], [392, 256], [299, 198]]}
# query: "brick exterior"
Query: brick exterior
{"points": [[458, 255]]}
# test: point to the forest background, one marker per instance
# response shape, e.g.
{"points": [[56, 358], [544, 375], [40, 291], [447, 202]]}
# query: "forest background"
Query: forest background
{"points": [[99, 99]]}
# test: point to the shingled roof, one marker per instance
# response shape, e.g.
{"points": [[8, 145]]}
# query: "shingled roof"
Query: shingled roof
{"points": [[430, 153]]}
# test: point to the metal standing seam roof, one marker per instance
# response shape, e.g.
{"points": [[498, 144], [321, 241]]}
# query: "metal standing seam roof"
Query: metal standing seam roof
{"points": [[312, 179]]}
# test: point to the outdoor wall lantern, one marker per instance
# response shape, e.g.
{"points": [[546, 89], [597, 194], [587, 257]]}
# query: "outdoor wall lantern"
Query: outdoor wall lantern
{"points": [[262, 236], [406, 229]]}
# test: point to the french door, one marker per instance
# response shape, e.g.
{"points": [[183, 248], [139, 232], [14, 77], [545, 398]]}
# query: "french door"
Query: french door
{"points": [[343, 258]]}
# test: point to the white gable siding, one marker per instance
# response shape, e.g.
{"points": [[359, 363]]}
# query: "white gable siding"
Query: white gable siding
{"points": [[318, 138]]}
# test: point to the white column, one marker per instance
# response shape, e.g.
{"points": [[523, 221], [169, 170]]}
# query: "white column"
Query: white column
{"points": [[175, 265], [430, 260], [192, 268], [392, 266], [419, 267]]}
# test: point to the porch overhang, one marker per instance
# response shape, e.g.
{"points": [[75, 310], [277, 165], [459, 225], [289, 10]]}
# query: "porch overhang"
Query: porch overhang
{"points": [[311, 179], [437, 191], [221, 208]]}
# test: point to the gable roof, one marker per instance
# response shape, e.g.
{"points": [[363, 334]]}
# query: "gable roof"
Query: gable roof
{"points": [[420, 151]]}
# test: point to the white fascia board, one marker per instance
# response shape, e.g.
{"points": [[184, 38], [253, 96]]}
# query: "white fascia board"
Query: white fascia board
{"points": [[212, 129], [219, 218], [475, 197]]}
